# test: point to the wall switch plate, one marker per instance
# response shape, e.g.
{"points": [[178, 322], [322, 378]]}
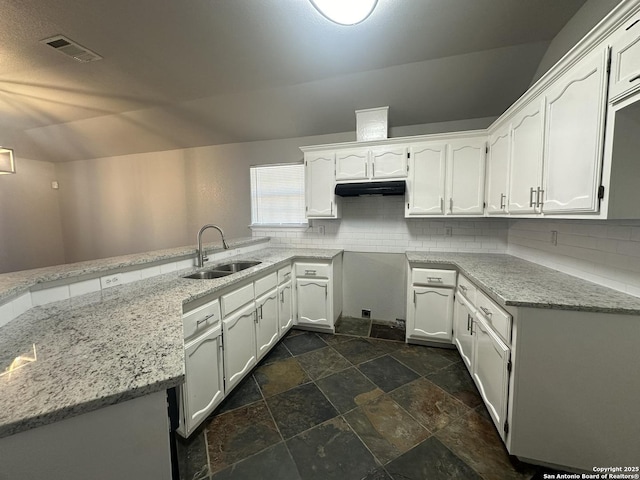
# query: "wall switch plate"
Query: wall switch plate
{"points": [[110, 281], [448, 231], [321, 229], [366, 313]]}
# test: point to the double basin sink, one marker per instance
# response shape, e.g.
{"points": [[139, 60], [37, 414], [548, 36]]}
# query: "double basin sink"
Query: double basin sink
{"points": [[221, 270]]}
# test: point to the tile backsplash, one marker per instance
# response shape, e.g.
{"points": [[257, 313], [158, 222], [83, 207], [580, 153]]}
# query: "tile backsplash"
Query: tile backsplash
{"points": [[604, 252], [377, 224]]}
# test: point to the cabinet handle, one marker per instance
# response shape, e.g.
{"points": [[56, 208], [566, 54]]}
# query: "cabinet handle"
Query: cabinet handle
{"points": [[539, 194], [326, 291], [282, 296], [503, 197], [331, 208], [531, 202], [629, 27], [366, 169], [442, 204], [450, 204], [373, 168], [309, 272], [471, 325], [200, 322], [261, 316], [486, 311], [414, 297], [255, 315], [434, 279], [468, 321]]}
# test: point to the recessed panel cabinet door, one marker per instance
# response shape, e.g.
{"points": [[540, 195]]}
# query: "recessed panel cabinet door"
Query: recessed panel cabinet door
{"points": [[575, 116], [498, 172], [426, 180], [267, 328], [490, 373], [527, 144], [462, 330], [284, 308], [431, 313], [203, 389], [313, 302], [320, 185], [352, 165], [239, 331], [466, 177], [389, 162]]}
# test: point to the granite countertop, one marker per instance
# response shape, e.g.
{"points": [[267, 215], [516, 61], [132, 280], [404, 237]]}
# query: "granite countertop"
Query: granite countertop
{"points": [[109, 346], [513, 281]]}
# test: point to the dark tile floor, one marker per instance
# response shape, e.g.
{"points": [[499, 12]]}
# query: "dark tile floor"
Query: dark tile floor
{"points": [[341, 407]]}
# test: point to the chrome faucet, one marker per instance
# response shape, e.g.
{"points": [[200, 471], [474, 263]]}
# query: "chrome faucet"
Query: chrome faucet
{"points": [[201, 257]]}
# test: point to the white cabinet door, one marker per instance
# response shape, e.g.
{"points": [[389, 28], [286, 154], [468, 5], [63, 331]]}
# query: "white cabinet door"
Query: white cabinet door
{"points": [[498, 171], [462, 330], [313, 302], [576, 106], [426, 180], [389, 162], [625, 59], [284, 308], [203, 388], [490, 371], [527, 141], [267, 328], [239, 344], [320, 185], [352, 164], [430, 313], [466, 177]]}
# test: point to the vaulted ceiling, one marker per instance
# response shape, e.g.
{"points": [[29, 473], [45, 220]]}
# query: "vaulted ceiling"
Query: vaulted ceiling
{"points": [[182, 73]]}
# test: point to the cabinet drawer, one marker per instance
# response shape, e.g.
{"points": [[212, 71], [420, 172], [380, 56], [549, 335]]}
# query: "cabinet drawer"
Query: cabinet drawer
{"points": [[467, 288], [495, 315], [234, 300], [284, 274], [267, 283], [313, 270], [430, 276], [200, 319]]}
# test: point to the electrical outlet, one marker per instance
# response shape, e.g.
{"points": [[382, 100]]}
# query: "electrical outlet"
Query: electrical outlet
{"points": [[321, 229], [366, 313], [448, 231], [110, 281], [554, 237]]}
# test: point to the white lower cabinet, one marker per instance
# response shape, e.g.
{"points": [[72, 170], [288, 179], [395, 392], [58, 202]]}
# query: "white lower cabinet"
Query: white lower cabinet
{"points": [[203, 388], [313, 302], [267, 327], [491, 359], [462, 321], [239, 344], [431, 314], [285, 312]]}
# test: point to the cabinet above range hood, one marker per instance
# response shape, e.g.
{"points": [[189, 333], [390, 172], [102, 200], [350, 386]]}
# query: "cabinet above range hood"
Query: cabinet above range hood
{"points": [[371, 188]]}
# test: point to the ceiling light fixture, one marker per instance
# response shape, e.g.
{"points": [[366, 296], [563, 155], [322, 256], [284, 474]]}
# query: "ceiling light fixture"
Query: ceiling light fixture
{"points": [[7, 163], [345, 12]]}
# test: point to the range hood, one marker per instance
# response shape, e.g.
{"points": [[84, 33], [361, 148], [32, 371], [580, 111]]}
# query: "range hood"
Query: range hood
{"points": [[371, 188]]}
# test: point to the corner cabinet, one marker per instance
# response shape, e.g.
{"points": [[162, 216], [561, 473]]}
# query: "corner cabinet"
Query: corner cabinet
{"points": [[318, 294], [320, 199]]}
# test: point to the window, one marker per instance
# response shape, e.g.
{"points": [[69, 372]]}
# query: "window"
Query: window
{"points": [[277, 195]]}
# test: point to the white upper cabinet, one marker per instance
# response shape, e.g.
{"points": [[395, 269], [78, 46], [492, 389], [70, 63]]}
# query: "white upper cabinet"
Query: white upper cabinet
{"points": [[352, 164], [576, 106], [426, 181], [625, 60], [320, 185], [389, 162], [527, 142], [374, 163], [465, 183], [498, 171]]}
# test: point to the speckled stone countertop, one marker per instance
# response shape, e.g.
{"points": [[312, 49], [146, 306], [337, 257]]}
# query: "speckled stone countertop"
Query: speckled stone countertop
{"points": [[110, 346], [512, 281], [15, 283]]}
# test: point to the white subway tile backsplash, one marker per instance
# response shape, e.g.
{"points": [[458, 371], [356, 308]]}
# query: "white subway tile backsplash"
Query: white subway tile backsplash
{"points": [[53, 294], [86, 286], [6, 313]]}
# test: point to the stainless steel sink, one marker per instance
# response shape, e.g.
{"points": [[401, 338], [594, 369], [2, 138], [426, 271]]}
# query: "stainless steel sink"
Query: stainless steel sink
{"points": [[221, 270], [235, 266], [207, 275]]}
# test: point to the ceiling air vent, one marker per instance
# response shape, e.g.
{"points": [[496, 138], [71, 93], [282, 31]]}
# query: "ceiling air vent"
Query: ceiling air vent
{"points": [[71, 49]]}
